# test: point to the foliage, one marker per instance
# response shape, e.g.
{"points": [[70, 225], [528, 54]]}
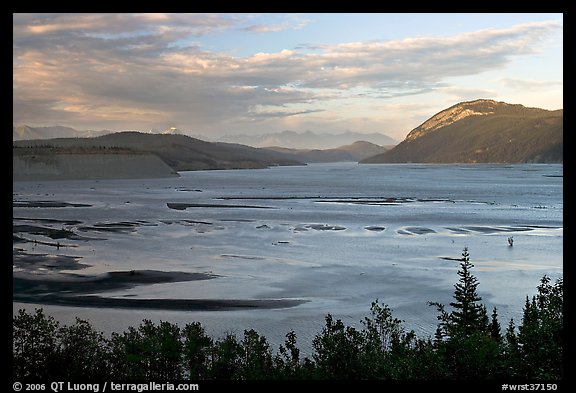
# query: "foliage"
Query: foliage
{"points": [[226, 358], [83, 352], [337, 349], [468, 316], [196, 351], [541, 335], [467, 345], [35, 345]]}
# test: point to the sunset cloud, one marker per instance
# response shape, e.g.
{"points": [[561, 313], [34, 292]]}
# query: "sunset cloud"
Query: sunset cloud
{"points": [[144, 70], [531, 85], [293, 22]]}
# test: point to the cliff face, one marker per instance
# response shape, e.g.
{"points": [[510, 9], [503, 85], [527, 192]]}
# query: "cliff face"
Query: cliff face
{"points": [[37, 167], [482, 131], [454, 114]]}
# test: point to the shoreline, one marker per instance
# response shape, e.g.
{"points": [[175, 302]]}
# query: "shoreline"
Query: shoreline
{"points": [[70, 289], [162, 304]]}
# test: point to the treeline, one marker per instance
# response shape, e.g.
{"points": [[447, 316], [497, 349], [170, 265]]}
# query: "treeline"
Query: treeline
{"points": [[72, 149], [468, 344]]}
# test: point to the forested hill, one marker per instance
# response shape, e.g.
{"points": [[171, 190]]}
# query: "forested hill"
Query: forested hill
{"points": [[180, 152], [483, 131]]}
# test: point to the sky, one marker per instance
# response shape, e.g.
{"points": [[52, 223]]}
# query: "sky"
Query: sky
{"points": [[212, 75]]}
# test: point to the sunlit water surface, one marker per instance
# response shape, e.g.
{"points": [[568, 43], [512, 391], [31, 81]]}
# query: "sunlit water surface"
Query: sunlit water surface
{"points": [[336, 235]]}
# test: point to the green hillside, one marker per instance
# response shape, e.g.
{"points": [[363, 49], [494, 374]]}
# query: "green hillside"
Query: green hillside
{"points": [[180, 152], [482, 131]]}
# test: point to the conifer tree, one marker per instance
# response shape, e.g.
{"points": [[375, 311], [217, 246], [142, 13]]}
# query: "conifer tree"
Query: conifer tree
{"points": [[468, 316], [541, 335], [495, 326]]}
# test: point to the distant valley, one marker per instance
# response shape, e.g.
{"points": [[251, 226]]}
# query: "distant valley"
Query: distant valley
{"points": [[99, 157], [354, 152], [37, 155], [309, 140], [480, 131]]}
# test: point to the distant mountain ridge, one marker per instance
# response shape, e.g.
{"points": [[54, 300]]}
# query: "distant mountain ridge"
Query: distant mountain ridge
{"points": [[308, 139], [354, 152], [24, 132], [180, 152], [482, 131], [287, 139]]}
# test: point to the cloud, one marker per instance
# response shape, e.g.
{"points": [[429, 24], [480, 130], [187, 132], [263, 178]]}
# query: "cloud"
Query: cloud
{"points": [[529, 85], [459, 94], [140, 70], [428, 59], [261, 112], [293, 22], [117, 23]]}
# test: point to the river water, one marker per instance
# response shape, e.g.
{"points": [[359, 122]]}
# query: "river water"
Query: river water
{"points": [[338, 236]]}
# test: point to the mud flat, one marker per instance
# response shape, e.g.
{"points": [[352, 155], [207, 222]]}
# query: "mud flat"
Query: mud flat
{"points": [[166, 304], [72, 290]]}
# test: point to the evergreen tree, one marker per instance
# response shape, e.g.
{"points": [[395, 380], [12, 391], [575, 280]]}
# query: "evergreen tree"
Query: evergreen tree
{"points": [[511, 352], [511, 338], [541, 335], [495, 326], [484, 322], [464, 347], [468, 316]]}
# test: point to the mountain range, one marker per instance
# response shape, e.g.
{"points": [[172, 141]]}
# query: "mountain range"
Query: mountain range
{"points": [[308, 140], [288, 139], [132, 154], [479, 131], [180, 152], [24, 132], [482, 131], [353, 152]]}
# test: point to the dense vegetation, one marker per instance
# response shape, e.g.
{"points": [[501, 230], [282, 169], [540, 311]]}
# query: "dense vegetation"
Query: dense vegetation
{"points": [[468, 344], [503, 134]]}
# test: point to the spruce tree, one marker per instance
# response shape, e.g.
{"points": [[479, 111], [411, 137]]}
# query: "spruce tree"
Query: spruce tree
{"points": [[495, 326], [468, 316], [512, 358], [541, 335]]}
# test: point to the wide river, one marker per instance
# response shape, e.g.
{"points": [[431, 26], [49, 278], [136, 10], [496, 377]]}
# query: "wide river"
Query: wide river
{"points": [[337, 236]]}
